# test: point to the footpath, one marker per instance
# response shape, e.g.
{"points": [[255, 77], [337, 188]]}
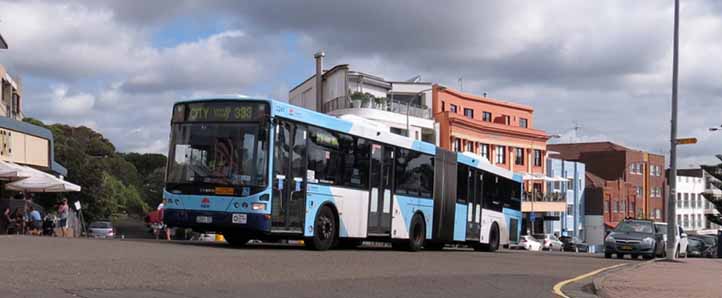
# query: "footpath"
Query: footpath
{"points": [[662, 279]]}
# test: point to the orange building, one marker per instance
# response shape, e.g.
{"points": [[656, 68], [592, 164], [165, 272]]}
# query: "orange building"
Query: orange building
{"points": [[498, 130]]}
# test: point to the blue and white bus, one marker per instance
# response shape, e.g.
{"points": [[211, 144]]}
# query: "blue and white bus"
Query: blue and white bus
{"points": [[267, 170]]}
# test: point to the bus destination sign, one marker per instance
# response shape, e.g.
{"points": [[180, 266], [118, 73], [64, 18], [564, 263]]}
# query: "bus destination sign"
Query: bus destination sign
{"points": [[220, 111]]}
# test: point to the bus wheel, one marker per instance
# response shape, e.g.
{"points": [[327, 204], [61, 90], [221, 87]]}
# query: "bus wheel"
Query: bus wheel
{"points": [[417, 236], [235, 239], [325, 230], [493, 244]]}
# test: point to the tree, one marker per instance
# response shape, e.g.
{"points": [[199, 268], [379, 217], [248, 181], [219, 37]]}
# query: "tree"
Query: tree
{"points": [[151, 169], [714, 195]]}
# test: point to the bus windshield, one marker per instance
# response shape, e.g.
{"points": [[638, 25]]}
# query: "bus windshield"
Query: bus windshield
{"points": [[226, 154]]}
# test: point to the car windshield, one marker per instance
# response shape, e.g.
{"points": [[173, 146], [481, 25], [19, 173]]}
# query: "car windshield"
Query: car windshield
{"points": [[101, 225], [635, 227], [540, 236], [219, 153]]}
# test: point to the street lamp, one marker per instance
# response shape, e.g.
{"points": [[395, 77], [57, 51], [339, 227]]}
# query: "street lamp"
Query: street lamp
{"points": [[408, 103], [671, 218]]}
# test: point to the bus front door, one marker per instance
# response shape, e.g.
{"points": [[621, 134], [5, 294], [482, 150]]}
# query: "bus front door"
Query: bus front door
{"points": [[473, 225], [380, 190], [289, 178]]}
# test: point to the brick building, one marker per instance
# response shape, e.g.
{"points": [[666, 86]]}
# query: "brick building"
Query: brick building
{"points": [[622, 182]]}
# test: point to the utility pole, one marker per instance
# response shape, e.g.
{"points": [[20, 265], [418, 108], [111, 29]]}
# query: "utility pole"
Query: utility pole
{"points": [[671, 218]]}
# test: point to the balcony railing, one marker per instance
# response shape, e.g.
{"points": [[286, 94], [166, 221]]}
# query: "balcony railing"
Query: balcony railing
{"points": [[544, 197], [393, 106]]}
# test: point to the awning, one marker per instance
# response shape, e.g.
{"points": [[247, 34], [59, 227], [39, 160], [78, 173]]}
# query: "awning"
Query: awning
{"points": [[11, 172], [39, 181]]}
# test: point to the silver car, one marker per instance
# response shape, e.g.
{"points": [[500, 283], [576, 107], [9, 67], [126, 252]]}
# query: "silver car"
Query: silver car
{"points": [[101, 229]]}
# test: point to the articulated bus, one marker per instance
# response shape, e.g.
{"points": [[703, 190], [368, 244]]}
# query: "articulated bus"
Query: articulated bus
{"points": [[267, 170]]}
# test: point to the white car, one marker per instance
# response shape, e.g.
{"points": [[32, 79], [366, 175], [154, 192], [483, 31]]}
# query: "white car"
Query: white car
{"points": [[680, 238], [549, 242], [529, 243]]}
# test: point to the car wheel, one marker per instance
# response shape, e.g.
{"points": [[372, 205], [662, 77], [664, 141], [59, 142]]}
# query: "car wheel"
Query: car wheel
{"points": [[620, 256], [325, 230], [635, 256], [676, 253], [648, 257], [607, 255]]}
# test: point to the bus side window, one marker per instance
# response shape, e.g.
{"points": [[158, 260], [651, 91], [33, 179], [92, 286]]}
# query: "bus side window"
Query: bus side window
{"points": [[462, 181]]}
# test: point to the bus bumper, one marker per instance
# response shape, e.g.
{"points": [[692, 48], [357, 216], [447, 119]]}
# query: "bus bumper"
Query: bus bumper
{"points": [[219, 221]]}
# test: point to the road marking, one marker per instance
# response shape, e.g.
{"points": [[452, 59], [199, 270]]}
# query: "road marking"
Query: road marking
{"points": [[558, 287]]}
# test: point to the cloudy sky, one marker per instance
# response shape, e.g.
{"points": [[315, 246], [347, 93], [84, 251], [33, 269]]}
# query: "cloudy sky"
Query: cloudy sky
{"points": [[601, 66]]}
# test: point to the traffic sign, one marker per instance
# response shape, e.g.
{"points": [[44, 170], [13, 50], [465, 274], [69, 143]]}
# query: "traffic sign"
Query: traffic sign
{"points": [[686, 141]]}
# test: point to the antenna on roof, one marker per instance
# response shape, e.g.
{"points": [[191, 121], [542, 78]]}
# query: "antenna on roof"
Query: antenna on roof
{"points": [[577, 128], [414, 79], [461, 83]]}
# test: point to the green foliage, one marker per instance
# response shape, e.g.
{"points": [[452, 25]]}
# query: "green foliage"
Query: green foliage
{"points": [[114, 184]]}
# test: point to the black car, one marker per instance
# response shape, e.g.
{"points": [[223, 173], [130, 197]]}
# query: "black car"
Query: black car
{"points": [[635, 238], [696, 246], [573, 244]]}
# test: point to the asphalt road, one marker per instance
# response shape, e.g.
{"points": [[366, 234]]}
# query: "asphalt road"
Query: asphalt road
{"points": [[54, 267]]}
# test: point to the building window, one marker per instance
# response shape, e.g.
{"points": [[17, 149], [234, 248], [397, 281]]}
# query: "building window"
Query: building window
{"points": [[606, 206], [570, 184], [679, 219], [686, 200], [456, 145], [443, 106], [623, 207], [486, 116], [693, 221], [523, 122], [484, 150], [469, 146], [616, 206], [686, 221], [679, 200], [700, 223], [507, 120], [694, 200], [452, 108], [659, 213], [570, 209], [519, 156], [469, 113], [537, 158], [500, 154]]}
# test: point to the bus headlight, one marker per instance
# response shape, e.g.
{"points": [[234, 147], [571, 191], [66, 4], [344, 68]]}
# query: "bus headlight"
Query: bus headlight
{"points": [[259, 206]]}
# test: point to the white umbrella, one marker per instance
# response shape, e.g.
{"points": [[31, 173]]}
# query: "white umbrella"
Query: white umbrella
{"points": [[39, 181], [12, 172]]}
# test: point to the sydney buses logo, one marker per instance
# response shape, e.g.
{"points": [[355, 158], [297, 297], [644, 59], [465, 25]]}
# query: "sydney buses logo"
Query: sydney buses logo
{"points": [[205, 203]]}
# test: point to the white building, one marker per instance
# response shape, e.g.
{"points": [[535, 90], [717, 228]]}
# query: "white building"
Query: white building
{"points": [[691, 205], [403, 106]]}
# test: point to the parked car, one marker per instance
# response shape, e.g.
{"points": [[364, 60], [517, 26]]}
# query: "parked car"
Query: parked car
{"points": [[696, 246], [549, 242], [710, 245], [574, 244], [634, 237], [680, 238], [101, 229], [529, 243]]}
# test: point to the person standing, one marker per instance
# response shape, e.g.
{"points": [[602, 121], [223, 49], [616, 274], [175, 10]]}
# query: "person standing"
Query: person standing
{"points": [[63, 215]]}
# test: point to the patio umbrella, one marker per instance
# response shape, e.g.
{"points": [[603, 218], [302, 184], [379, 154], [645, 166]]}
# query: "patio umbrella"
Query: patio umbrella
{"points": [[10, 171], [39, 181]]}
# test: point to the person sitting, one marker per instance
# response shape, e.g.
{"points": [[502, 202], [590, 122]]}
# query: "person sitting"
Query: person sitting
{"points": [[6, 221]]}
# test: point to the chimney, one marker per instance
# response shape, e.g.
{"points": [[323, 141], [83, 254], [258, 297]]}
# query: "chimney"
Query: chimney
{"points": [[319, 80]]}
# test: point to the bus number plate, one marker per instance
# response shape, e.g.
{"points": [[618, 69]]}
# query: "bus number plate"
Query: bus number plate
{"points": [[204, 219], [240, 218]]}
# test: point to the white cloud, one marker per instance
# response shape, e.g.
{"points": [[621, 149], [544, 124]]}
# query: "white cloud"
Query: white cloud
{"points": [[66, 105]]}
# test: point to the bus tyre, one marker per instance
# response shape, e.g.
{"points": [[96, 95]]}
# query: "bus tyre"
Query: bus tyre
{"points": [[235, 239], [493, 244], [417, 236], [325, 230]]}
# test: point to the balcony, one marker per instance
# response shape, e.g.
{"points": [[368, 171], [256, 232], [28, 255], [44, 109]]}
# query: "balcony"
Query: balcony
{"points": [[398, 107], [543, 202]]}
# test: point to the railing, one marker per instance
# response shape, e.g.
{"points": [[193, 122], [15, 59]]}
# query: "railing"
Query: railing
{"points": [[544, 197], [398, 107]]}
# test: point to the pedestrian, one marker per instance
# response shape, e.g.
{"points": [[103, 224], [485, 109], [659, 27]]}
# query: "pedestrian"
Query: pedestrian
{"points": [[163, 226], [63, 214], [5, 221], [19, 220]]}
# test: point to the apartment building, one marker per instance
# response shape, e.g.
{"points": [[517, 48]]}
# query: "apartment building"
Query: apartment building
{"points": [[402, 106], [21, 142], [570, 182], [613, 170], [690, 204]]}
